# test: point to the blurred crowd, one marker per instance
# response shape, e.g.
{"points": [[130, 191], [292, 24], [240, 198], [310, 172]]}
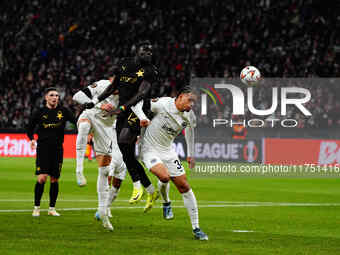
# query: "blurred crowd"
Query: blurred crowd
{"points": [[69, 44]]}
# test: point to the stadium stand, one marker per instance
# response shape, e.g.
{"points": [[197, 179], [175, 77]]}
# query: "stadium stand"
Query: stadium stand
{"points": [[68, 44]]}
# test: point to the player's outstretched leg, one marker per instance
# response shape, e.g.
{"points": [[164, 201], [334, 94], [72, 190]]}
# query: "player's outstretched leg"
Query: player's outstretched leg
{"points": [[112, 195], [190, 203], [116, 176], [150, 189], [128, 152], [136, 172], [164, 190], [84, 127]]}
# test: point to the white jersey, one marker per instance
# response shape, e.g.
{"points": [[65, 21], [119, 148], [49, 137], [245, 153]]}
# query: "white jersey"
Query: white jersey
{"points": [[166, 125], [96, 89]]}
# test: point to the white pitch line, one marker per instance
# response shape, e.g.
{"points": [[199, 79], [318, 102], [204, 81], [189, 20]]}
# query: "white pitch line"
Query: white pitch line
{"points": [[229, 203], [176, 206], [242, 231]]}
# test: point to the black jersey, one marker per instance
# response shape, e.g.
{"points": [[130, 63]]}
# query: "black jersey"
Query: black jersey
{"points": [[51, 124], [131, 73]]}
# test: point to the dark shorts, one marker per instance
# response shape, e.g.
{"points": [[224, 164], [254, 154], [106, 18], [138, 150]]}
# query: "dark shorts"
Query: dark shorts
{"points": [[127, 128], [49, 160]]}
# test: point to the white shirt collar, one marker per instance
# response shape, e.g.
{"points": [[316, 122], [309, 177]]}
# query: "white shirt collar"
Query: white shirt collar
{"points": [[173, 107]]}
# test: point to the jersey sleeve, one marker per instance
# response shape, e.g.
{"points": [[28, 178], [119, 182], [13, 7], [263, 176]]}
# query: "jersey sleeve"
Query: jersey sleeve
{"points": [[192, 119], [32, 123], [70, 116], [190, 134], [81, 98], [96, 88], [190, 140], [156, 105], [138, 110]]}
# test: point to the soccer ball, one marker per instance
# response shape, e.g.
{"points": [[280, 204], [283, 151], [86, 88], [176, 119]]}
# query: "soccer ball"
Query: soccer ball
{"points": [[250, 75]]}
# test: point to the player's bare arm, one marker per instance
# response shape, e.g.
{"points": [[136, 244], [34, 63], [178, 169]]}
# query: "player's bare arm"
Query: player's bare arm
{"points": [[142, 92], [144, 89]]}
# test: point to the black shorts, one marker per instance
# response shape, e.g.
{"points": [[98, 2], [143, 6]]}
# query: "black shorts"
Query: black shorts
{"points": [[127, 128], [49, 160]]}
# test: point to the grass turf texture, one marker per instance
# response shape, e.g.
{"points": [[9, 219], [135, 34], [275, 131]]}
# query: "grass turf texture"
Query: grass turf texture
{"points": [[308, 222]]}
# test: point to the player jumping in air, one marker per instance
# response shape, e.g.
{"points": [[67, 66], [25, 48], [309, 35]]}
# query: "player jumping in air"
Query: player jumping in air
{"points": [[109, 158], [133, 77]]}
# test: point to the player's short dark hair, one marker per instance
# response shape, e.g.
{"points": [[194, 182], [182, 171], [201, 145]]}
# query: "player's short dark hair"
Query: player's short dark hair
{"points": [[185, 90], [50, 89]]}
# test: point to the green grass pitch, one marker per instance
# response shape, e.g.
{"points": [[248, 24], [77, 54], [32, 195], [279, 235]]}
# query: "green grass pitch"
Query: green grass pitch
{"points": [[241, 214]]}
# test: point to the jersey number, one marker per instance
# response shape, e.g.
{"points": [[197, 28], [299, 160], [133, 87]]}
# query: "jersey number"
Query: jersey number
{"points": [[178, 164]]}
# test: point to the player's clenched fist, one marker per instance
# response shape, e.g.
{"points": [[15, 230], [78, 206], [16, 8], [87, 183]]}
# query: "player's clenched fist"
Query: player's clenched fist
{"points": [[107, 107], [144, 123]]}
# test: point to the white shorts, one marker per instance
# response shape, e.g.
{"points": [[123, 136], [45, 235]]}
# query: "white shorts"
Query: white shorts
{"points": [[169, 159], [104, 135], [105, 143]]}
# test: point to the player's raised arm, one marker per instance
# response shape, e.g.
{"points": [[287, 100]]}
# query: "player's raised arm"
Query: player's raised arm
{"points": [[70, 117], [143, 91], [82, 96], [107, 92], [138, 110]]}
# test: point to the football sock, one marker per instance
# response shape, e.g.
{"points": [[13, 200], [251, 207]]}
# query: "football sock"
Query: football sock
{"points": [[128, 152], [113, 193], [135, 169], [54, 190], [164, 190], [150, 189], [83, 131], [102, 189], [191, 204], [144, 179], [38, 192], [137, 185]]}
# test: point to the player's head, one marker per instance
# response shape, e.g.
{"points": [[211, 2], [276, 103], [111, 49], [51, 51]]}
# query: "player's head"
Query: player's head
{"points": [[51, 97], [185, 99], [144, 51]]}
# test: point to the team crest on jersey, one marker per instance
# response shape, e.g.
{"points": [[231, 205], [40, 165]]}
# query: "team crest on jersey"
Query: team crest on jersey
{"points": [[140, 72], [60, 115], [155, 99], [93, 85]]}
